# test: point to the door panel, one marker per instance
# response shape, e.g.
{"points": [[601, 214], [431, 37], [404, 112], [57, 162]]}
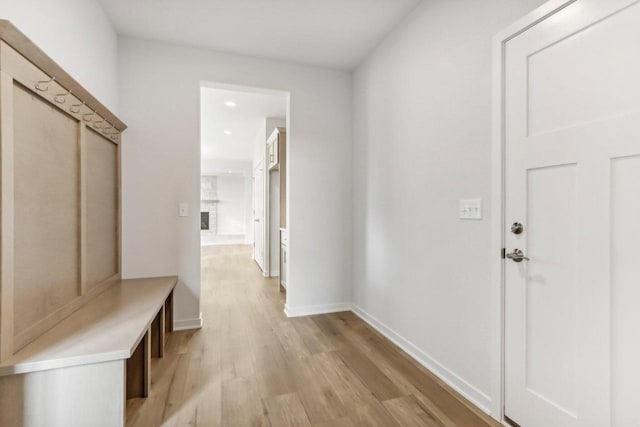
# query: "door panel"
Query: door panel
{"points": [[572, 167], [551, 313], [625, 290], [566, 78]]}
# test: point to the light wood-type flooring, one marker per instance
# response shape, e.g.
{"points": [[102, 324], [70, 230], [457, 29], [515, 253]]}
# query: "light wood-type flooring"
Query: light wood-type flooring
{"points": [[252, 366]]}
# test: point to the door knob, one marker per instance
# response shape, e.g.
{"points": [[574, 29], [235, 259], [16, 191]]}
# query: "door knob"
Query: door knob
{"points": [[517, 256], [517, 228]]}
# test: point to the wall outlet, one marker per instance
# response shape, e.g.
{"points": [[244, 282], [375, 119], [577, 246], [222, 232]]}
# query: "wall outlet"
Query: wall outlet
{"points": [[184, 209], [471, 209]]}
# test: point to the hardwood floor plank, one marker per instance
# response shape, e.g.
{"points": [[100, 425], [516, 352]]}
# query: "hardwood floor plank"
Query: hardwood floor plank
{"points": [[177, 387], [312, 336], [340, 422], [318, 397], [347, 385], [241, 405], [379, 384], [287, 411], [272, 371], [374, 415], [292, 344], [408, 413]]}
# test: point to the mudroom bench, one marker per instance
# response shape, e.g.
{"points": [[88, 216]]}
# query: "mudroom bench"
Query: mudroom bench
{"points": [[81, 371]]}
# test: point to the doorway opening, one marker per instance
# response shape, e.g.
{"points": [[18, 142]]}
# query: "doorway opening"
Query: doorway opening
{"points": [[243, 183]]}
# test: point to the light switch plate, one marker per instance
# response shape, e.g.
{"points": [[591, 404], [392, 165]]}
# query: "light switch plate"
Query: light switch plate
{"points": [[471, 209], [184, 209]]}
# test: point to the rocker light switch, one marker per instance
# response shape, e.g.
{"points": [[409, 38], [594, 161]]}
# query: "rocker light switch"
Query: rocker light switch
{"points": [[471, 209], [184, 209]]}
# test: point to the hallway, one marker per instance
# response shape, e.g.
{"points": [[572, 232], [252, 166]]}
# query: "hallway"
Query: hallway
{"points": [[252, 366]]}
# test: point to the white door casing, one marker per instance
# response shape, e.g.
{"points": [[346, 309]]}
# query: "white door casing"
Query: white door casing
{"points": [[258, 215], [572, 178]]}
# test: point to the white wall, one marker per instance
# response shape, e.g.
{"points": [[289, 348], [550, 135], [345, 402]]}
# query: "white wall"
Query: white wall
{"points": [[77, 35], [231, 204], [216, 166], [159, 94], [422, 130]]}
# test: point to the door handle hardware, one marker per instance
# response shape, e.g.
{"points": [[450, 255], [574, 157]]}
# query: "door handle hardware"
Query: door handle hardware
{"points": [[517, 256], [517, 228]]}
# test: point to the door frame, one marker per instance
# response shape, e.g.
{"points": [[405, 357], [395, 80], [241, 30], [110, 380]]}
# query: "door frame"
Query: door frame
{"points": [[263, 221], [498, 197]]}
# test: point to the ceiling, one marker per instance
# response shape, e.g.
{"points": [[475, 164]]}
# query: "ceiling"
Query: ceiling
{"points": [[243, 121], [330, 33]]}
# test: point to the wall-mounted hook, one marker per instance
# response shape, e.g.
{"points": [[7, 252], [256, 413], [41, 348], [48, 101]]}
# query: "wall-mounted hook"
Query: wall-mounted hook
{"points": [[106, 128], [90, 116], [61, 98], [40, 84], [76, 108]]}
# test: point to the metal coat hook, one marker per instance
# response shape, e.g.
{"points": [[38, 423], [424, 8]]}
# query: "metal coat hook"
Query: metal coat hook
{"points": [[106, 128], [61, 98], [112, 132], [44, 82], [84, 116], [76, 108]]}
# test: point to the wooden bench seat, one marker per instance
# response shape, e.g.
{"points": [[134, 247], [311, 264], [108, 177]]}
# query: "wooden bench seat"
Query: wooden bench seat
{"points": [[99, 355]]}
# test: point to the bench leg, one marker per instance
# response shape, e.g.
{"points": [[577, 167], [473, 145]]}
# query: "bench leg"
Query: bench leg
{"points": [[139, 369], [168, 305], [158, 334]]}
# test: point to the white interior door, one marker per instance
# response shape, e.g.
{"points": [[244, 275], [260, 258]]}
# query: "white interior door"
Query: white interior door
{"points": [[258, 215], [572, 167]]}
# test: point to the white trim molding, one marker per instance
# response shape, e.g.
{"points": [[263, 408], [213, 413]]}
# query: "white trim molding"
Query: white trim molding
{"points": [[468, 391], [311, 310], [497, 202], [186, 324]]}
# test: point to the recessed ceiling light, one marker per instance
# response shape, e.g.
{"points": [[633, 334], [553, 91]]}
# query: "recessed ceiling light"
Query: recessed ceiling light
{"points": [[230, 104], [227, 132], [229, 172]]}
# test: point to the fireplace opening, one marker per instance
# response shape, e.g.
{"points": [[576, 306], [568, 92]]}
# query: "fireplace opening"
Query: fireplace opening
{"points": [[204, 220]]}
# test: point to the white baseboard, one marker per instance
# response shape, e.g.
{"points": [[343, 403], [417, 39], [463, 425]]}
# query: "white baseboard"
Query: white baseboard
{"points": [[275, 274], [310, 310], [468, 391], [186, 324]]}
